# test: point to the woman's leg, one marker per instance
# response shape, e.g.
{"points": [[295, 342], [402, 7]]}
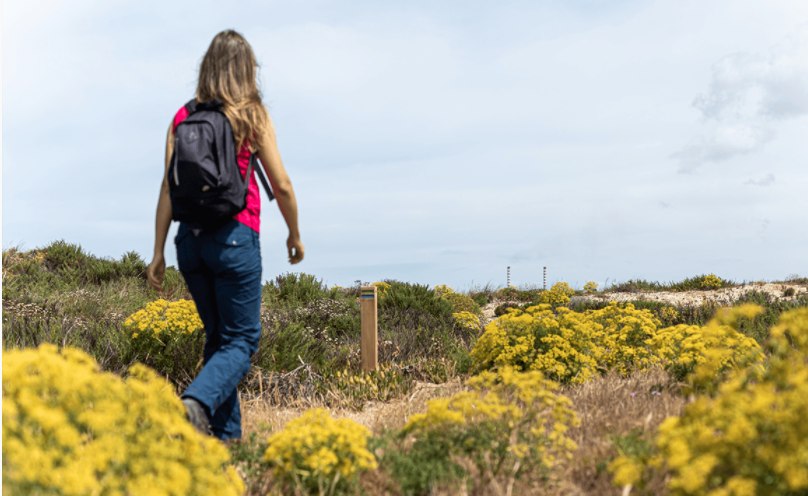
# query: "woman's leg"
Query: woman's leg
{"points": [[234, 257], [201, 281]]}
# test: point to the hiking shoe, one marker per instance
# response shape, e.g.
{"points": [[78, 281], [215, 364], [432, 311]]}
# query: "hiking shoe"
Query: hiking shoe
{"points": [[197, 416]]}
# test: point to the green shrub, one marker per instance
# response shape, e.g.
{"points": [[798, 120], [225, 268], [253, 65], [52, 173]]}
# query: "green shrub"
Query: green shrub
{"points": [[481, 299], [282, 347], [501, 310], [416, 296], [462, 303], [421, 468], [297, 289]]}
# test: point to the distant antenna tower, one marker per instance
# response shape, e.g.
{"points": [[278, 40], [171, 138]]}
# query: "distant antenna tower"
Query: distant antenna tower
{"points": [[509, 277], [545, 278]]}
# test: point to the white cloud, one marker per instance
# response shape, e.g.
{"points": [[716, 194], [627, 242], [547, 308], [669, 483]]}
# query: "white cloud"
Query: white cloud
{"points": [[748, 94], [721, 143], [766, 181]]}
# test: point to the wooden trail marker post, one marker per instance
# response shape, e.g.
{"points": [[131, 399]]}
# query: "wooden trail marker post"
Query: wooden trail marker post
{"points": [[370, 337]]}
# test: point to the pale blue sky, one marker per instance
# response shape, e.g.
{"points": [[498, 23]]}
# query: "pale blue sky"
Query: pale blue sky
{"points": [[436, 142]]}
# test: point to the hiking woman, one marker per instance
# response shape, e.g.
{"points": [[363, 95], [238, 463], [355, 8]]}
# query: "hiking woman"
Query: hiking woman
{"points": [[222, 265]]}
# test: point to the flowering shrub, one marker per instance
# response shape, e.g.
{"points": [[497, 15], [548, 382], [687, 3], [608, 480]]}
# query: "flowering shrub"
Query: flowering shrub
{"points": [[165, 336], [568, 346], [382, 288], [711, 281], [747, 435], [467, 321], [714, 348], [442, 289], [70, 429], [509, 422], [591, 287], [559, 294], [162, 321], [622, 343], [758, 437], [318, 454], [460, 302]]}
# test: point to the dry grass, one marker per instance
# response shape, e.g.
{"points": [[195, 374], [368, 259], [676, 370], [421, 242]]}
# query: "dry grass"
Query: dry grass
{"points": [[605, 407], [260, 415]]}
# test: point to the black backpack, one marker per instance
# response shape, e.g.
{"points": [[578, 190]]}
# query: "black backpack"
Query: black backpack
{"points": [[204, 179]]}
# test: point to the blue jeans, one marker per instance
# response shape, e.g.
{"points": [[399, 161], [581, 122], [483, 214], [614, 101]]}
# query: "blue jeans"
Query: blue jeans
{"points": [[223, 274]]}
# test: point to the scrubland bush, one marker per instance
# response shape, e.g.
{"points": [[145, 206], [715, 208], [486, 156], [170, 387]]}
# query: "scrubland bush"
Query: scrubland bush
{"points": [[417, 297], [357, 387], [317, 454], [299, 288], [747, 435], [559, 294], [718, 346], [69, 428], [711, 281], [467, 321], [382, 288], [568, 346], [591, 287], [163, 333], [481, 299], [460, 302], [507, 423]]}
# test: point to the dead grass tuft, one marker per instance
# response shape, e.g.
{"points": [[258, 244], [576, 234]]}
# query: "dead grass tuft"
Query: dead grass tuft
{"points": [[607, 409]]}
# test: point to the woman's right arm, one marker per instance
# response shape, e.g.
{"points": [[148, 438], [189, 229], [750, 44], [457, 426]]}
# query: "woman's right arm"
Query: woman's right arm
{"points": [[282, 188], [162, 222]]}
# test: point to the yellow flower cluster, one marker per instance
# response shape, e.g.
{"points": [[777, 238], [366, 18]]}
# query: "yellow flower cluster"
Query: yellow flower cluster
{"points": [[467, 321], [442, 289], [568, 346], [382, 288], [318, 453], [591, 287], [517, 408], [747, 435], [750, 437], [70, 429], [714, 348], [163, 321], [559, 294], [711, 281]]}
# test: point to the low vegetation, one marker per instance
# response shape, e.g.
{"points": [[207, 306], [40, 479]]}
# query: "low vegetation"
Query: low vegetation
{"points": [[554, 396]]}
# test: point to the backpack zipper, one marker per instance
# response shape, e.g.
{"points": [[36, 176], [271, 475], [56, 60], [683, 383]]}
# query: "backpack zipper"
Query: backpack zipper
{"points": [[176, 152]]}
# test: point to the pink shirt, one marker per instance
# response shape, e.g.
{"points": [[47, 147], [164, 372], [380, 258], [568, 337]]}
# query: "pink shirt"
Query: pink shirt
{"points": [[250, 216]]}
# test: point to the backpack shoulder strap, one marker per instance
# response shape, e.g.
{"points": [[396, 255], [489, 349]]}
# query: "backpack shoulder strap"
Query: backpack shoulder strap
{"points": [[264, 182], [191, 106]]}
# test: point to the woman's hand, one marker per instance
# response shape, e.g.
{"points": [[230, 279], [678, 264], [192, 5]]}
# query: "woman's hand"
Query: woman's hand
{"points": [[155, 272], [295, 247]]}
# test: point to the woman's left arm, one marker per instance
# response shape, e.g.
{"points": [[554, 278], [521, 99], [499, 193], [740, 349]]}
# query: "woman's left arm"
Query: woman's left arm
{"points": [[162, 222]]}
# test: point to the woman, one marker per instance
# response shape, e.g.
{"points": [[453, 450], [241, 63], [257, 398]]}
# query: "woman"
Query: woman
{"points": [[223, 268]]}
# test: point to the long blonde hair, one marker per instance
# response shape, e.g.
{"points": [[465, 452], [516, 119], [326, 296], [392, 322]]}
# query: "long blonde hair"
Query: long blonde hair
{"points": [[228, 73]]}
